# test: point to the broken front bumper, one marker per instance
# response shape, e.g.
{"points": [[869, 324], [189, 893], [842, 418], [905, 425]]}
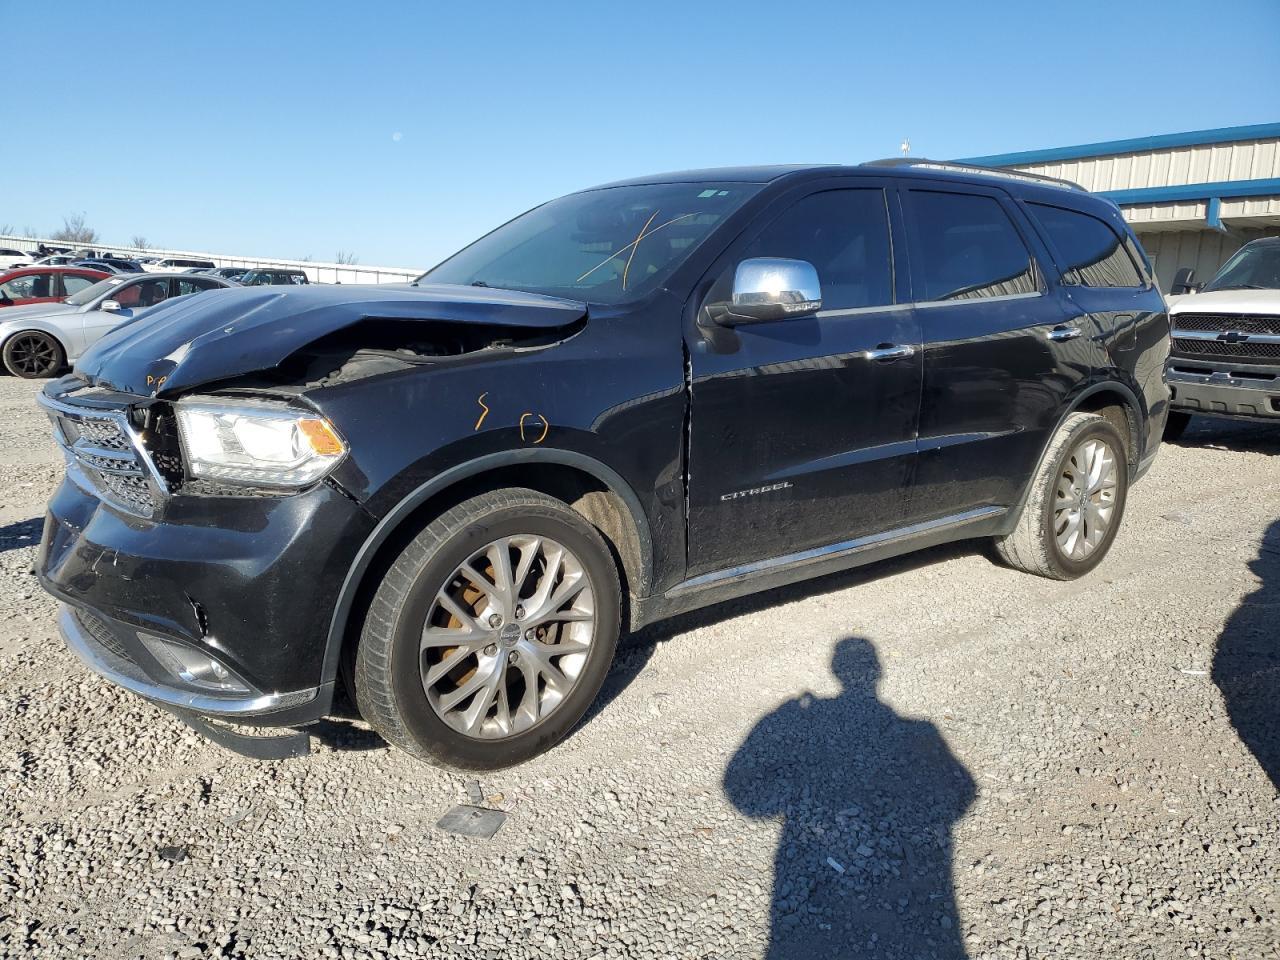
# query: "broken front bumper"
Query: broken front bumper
{"points": [[1249, 392], [218, 609]]}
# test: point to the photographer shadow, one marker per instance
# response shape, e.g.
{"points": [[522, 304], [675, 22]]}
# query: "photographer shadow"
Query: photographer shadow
{"points": [[867, 800]]}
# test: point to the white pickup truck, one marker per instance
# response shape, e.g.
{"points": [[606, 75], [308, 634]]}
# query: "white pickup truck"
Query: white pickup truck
{"points": [[1225, 360]]}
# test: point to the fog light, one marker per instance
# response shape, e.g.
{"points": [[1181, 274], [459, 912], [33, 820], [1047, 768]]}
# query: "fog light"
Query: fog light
{"points": [[192, 666]]}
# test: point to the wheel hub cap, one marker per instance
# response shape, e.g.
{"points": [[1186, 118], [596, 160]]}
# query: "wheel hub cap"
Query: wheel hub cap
{"points": [[1085, 498], [507, 637]]}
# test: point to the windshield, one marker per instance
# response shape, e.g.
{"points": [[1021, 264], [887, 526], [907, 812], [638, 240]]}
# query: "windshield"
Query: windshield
{"points": [[604, 246], [1254, 267], [92, 293]]}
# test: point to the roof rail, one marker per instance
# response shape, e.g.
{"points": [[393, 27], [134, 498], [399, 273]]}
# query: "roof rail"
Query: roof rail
{"points": [[927, 164]]}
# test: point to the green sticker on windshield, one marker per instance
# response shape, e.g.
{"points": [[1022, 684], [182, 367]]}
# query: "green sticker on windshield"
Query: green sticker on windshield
{"points": [[706, 193]]}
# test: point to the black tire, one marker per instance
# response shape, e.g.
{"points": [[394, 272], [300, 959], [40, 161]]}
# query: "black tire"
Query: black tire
{"points": [[31, 354], [1033, 545], [1176, 426], [389, 684]]}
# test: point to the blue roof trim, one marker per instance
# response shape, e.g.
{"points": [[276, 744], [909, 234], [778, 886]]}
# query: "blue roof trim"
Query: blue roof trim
{"points": [[1192, 138], [1195, 191]]}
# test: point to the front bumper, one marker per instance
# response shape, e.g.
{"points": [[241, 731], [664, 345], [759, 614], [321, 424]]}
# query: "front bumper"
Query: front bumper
{"points": [[1250, 392]]}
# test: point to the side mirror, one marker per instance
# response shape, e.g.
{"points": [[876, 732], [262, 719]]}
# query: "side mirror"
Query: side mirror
{"points": [[770, 288], [1184, 281], [110, 306]]}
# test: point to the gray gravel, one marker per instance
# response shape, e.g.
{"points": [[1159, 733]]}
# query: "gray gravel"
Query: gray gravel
{"points": [[932, 757]]}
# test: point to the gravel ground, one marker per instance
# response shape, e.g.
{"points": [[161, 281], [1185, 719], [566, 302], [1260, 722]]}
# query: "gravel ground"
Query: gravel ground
{"points": [[934, 757]]}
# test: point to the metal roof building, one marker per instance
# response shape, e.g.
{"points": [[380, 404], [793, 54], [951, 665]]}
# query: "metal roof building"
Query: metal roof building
{"points": [[1193, 198]]}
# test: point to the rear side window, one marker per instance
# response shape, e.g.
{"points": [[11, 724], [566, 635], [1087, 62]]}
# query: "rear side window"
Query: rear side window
{"points": [[845, 235], [965, 247], [1090, 252]]}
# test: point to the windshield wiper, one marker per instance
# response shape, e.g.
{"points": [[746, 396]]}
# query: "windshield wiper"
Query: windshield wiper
{"points": [[1240, 286]]}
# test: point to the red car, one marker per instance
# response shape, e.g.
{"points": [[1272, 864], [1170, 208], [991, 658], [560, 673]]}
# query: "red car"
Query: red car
{"points": [[45, 284]]}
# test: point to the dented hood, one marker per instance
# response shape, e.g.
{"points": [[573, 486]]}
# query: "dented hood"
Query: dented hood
{"points": [[190, 341]]}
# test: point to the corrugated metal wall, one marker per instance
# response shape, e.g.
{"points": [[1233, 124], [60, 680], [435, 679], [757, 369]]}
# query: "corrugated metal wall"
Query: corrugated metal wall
{"points": [[1208, 163]]}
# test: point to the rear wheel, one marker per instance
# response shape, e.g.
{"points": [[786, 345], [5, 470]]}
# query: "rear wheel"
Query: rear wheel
{"points": [[1176, 425], [491, 633], [33, 353], [1075, 504]]}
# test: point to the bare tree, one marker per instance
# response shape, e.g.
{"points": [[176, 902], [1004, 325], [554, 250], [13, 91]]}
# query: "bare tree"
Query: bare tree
{"points": [[346, 256], [6, 229], [139, 242], [74, 230]]}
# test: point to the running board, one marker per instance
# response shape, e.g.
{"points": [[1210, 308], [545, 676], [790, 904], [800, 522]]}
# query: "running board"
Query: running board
{"points": [[834, 551]]}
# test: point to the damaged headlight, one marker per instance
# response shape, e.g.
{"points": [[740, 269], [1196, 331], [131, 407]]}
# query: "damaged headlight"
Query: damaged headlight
{"points": [[259, 444]]}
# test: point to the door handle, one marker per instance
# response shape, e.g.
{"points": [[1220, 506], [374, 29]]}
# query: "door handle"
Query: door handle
{"points": [[890, 351], [1063, 332]]}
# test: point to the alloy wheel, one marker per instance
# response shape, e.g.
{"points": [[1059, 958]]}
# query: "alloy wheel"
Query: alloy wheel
{"points": [[33, 355], [507, 637], [1085, 498]]}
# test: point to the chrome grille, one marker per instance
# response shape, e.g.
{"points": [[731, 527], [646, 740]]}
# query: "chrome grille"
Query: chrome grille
{"points": [[100, 445], [1243, 351], [1224, 323]]}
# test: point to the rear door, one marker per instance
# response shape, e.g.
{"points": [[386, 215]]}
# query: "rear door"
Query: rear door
{"points": [[995, 372], [797, 439]]}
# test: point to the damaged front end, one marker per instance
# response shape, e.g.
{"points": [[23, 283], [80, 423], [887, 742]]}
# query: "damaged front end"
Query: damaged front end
{"points": [[204, 528]]}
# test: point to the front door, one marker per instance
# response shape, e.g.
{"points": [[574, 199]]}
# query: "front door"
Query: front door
{"points": [[797, 438]]}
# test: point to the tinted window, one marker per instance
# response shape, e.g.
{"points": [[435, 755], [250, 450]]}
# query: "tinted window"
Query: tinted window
{"points": [[1091, 253], [195, 286], [964, 247], [32, 285], [845, 235], [74, 284]]}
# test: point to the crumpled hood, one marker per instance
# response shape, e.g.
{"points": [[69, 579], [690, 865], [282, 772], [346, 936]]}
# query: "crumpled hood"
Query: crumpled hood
{"points": [[1217, 301], [189, 341]]}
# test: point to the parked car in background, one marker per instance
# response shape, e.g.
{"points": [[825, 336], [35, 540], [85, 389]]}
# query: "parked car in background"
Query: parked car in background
{"points": [[42, 284], [114, 264], [226, 273], [624, 404], [1225, 360], [56, 260], [169, 264], [14, 258], [40, 339], [272, 276]]}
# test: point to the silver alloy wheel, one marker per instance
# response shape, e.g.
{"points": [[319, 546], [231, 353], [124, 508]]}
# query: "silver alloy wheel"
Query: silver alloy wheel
{"points": [[1085, 498], [507, 637]]}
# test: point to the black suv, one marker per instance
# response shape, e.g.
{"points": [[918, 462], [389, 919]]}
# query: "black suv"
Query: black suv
{"points": [[453, 495]]}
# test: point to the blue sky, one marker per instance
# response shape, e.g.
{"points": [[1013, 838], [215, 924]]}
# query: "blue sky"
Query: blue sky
{"points": [[402, 131]]}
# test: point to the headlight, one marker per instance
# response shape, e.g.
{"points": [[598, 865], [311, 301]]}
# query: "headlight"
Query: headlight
{"points": [[260, 444]]}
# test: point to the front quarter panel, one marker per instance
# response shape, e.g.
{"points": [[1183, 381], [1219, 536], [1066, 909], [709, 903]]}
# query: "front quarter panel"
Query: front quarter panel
{"points": [[613, 394]]}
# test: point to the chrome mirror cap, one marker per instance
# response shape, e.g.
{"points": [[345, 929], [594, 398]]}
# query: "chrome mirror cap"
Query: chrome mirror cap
{"points": [[773, 288]]}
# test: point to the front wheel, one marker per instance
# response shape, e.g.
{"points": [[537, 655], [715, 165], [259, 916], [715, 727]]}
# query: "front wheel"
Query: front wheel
{"points": [[491, 633], [33, 353], [1075, 503]]}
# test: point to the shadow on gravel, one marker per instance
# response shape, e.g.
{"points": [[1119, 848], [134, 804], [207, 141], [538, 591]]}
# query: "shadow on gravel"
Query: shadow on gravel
{"points": [[867, 800], [24, 533], [1246, 665], [1238, 436]]}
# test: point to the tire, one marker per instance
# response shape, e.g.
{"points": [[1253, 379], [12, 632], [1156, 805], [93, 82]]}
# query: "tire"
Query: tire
{"points": [[1034, 545], [1176, 425], [31, 354], [417, 655]]}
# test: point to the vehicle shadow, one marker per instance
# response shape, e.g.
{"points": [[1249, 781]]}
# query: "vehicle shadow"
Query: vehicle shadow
{"points": [[1238, 436], [635, 650], [867, 800], [1246, 664], [23, 533]]}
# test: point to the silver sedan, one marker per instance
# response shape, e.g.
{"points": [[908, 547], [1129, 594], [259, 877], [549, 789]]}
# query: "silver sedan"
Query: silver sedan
{"points": [[40, 339]]}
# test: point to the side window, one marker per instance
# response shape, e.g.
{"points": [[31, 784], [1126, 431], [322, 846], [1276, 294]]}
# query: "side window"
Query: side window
{"points": [[1092, 254], [965, 247], [845, 235], [32, 285], [193, 286], [74, 284]]}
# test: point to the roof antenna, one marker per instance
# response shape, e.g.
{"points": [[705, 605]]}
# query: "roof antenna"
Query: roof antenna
{"points": [[905, 147]]}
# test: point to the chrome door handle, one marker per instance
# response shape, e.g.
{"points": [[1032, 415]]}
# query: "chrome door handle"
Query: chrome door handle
{"points": [[890, 352], [1063, 332]]}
